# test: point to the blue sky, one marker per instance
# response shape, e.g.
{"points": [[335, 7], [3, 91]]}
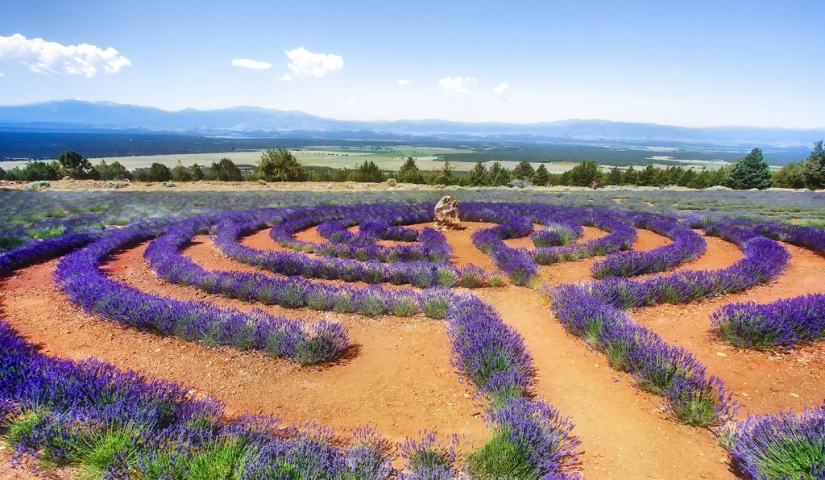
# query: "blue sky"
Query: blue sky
{"points": [[681, 63]]}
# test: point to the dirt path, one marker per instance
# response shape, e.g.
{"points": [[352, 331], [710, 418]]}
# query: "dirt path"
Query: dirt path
{"points": [[398, 376]]}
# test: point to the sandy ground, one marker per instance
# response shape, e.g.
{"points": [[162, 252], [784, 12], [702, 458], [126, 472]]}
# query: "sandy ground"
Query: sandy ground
{"points": [[398, 376]]}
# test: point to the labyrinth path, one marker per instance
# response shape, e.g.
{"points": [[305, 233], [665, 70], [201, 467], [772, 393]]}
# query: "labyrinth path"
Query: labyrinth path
{"points": [[588, 344]]}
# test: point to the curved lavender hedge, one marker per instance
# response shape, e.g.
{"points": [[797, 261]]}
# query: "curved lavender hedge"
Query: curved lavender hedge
{"points": [[785, 322], [781, 446], [515, 261], [417, 274], [686, 246], [80, 278], [662, 369], [119, 424], [38, 251]]}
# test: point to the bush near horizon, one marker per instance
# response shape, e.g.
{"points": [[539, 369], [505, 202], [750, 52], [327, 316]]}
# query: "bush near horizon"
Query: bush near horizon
{"points": [[279, 166]]}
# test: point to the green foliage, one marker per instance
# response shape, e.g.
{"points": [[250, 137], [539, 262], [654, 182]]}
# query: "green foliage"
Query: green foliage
{"points": [[445, 175], [34, 171], [541, 177], [523, 170], [479, 176], [115, 171], [341, 175], [791, 175], [750, 172], [224, 171], [585, 174], [181, 174], [367, 172], [158, 172], [280, 166], [813, 168], [614, 177], [631, 176], [499, 175], [197, 172], [2, 173], [75, 166], [500, 458], [409, 172]]}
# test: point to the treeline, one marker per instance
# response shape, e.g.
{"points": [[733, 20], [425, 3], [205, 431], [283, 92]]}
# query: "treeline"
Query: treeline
{"points": [[279, 165]]}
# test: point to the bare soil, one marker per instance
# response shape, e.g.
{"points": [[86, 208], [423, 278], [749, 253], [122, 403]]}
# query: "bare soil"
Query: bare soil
{"points": [[398, 376]]}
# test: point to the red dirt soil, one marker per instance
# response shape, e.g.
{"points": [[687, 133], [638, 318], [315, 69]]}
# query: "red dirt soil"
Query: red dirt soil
{"points": [[399, 376]]}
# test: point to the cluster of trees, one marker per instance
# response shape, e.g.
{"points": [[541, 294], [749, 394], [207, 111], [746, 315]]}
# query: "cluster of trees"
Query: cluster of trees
{"points": [[279, 165], [809, 173]]}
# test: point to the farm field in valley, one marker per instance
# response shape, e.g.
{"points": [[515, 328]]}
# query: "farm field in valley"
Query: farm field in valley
{"points": [[592, 331]]}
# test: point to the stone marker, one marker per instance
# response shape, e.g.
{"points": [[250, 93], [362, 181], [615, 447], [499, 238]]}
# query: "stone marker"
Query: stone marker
{"points": [[446, 214]]}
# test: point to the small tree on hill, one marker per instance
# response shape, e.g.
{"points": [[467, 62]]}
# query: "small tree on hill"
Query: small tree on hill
{"points": [[750, 172], [791, 175], [499, 175], [2, 173], [368, 172], [523, 170], [180, 173], [280, 166], [585, 174], [75, 166], [197, 172], [225, 171], [813, 168], [478, 176], [541, 176], [158, 172], [409, 172]]}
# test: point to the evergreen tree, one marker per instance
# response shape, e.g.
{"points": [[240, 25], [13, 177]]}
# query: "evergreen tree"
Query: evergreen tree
{"points": [[647, 177], [614, 177], [686, 177], [180, 173], [197, 172], [2, 173], [630, 177], [813, 168], [750, 172], [409, 172], [499, 175], [585, 174], [791, 175], [444, 175], [368, 172], [158, 172], [279, 166], [75, 166], [478, 176], [541, 177], [341, 175], [523, 171], [225, 171]]}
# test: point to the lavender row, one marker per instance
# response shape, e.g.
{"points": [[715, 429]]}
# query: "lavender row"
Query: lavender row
{"points": [[371, 230], [37, 251], [662, 369], [785, 322], [686, 246], [528, 435], [557, 231], [764, 259], [417, 274], [781, 446], [119, 424], [80, 278], [515, 261], [163, 256]]}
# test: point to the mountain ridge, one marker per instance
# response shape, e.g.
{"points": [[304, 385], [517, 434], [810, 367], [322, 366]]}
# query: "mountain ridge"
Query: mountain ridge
{"points": [[96, 116]]}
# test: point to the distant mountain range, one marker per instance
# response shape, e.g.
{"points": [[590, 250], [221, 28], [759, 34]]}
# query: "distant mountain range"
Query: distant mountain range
{"points": [[97, 117]]}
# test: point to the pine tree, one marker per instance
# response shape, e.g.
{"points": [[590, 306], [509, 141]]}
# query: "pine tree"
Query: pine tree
{"points": [[409, 172], [478, 176], [523, 170], [750, 172], [279, 166], [813, 168], [541, 177]]}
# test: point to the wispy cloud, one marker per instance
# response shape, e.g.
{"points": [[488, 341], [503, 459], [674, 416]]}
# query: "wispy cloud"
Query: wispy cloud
{"points": [[254, 65], [500, 90], [1, 74], [351, 101], [307, 64], [51, 57], [457, 84], [403, 82]]}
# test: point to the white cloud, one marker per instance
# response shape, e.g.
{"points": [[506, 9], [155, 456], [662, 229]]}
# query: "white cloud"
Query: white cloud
{"points": [[51, 57], [457, 84], [500, 90], [254, 65], [403, 82], [351, 101], [1, 74], [307, 64]]}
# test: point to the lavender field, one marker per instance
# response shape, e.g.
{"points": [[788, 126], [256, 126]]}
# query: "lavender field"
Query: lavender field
{"points": [[541, 290]]}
